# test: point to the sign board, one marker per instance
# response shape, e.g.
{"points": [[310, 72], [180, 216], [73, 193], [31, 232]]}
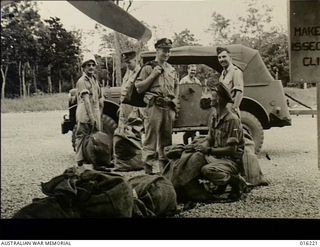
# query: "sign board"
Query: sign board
{"points": [[304, 42]]}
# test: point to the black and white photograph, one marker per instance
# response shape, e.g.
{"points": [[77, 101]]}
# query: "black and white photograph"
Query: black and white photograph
{"points": [[160, 110]]}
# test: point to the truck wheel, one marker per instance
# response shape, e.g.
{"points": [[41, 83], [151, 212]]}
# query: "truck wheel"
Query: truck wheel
{"points": [[254, 127], [108, 125]]}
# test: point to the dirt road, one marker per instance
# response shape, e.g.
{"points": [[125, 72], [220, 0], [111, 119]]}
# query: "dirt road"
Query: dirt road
{"points": [[33, 150]]}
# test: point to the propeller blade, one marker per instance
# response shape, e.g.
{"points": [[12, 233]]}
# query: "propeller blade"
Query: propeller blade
{"points": [[110, 15]]}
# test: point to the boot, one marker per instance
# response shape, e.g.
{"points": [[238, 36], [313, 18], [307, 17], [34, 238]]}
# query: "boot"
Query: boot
{"points": [[238, 187]]}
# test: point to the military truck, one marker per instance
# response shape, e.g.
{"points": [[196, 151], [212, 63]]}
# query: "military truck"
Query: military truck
{"points": [[263, 105]]}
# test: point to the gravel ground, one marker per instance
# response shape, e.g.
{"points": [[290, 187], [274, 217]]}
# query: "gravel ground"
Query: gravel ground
{"points": [[34, 150]]}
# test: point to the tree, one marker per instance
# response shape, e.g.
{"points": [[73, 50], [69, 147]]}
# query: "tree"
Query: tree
{"points": [[60, 51], [253, 24], [251, 30], [19, 24], [183, 38], [220, 28]]}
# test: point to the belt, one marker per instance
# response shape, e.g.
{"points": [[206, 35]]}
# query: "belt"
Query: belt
{"points": [[162, 102]]}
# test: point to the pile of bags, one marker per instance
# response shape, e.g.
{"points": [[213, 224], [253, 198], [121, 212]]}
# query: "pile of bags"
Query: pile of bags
{"points": [[94, 194]]}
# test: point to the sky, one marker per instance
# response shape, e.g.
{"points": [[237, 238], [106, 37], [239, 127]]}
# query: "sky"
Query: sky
{"points": [[168, 16]]}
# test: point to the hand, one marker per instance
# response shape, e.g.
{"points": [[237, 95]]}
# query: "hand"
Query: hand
{"points": [[202, 149], [156, 71]]}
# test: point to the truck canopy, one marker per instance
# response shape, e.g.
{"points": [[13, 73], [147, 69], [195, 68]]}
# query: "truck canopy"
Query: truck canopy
{"points": [[247, 59]]}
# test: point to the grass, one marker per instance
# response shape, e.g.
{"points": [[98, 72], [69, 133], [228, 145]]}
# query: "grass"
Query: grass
{"points": [[37, 103], [60, 101]]}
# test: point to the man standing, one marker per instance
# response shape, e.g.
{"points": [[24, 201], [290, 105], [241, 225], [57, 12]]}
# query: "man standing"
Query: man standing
{"points": [[224, 146], [88, 109], [191, 77], [232, 78], [159, 81], [133, 68]]}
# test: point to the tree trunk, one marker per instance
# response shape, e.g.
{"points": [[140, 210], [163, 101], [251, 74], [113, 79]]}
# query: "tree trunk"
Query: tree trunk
{"points": [[60, 82], [72, 81], [20, 79], [4, 77], [113, 70], [117, 59], [28, 89], [49, 78], [34, 78], [23, 77]]}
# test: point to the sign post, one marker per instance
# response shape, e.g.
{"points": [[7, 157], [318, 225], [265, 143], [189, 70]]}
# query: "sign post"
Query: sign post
{"points": [[304, 47]]}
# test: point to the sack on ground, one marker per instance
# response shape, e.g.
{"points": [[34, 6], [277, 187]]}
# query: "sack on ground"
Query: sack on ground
{"points": [[155, 196], [252, 172], [97, 149], [182, 171], [127, 147], [45, 208], [83, 194]]}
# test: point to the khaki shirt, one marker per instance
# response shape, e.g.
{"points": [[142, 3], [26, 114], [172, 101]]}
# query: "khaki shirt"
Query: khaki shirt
{"points": [[164, 85], [232, 78], [188, 80], [89, 85], [226, 130]]}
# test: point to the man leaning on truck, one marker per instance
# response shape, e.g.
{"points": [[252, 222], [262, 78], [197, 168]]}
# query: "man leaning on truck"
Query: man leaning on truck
{"points": [[232, 78]]}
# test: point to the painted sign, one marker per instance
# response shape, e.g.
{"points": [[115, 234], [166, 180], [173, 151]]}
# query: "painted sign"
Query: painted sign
{"points": [[305, 40]]}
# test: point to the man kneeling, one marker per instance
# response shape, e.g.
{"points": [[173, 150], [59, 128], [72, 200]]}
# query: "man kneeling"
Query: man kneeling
{"points": [[224, 146]]}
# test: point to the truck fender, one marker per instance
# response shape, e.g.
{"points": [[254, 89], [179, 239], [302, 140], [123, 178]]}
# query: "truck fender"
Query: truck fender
{"points": [[255, 108], [111, 109]]}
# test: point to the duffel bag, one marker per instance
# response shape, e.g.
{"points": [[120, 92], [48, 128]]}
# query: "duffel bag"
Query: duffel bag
{"points": [[156, 195], [97, 149]]}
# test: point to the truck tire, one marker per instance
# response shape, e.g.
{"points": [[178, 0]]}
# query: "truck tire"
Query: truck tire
{"points": [[254, 127]]}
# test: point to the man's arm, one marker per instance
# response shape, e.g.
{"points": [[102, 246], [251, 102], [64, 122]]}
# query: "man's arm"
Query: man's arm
{"points": [[84, 94], [87, 106], [237, 99], [146, 77], [238, 87]]}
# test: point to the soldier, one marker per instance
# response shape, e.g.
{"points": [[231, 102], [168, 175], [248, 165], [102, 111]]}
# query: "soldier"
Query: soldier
{"points": [[88, 109], [224, 146], [133, 68], [191, 77], [232, 78], [159, 81]]}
